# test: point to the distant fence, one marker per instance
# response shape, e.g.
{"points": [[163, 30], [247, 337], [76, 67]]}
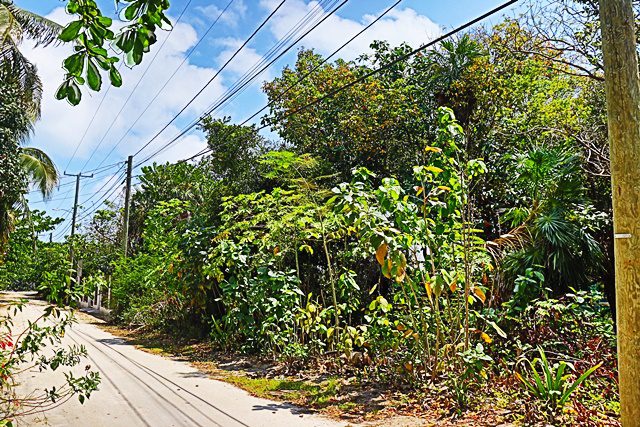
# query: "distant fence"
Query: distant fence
{"points": [[100, 300]]}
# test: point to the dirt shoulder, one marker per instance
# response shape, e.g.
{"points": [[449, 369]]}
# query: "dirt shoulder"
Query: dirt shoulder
{"points": [[342, 397]]}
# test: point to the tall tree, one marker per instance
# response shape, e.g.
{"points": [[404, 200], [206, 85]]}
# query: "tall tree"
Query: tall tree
{"points": [[622, 86], [16, 24]]}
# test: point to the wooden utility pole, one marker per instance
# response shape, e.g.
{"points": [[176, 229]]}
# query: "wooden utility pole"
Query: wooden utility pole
{"points": [[127, 202], [75, 203], [622, 87]]}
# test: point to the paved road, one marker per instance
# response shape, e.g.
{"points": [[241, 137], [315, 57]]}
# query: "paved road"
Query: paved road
{"points": [[142, 389]]}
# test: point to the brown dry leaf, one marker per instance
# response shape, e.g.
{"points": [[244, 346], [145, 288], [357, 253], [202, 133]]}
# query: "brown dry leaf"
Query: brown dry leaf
{"points": [[480, 294], [381, 253]]}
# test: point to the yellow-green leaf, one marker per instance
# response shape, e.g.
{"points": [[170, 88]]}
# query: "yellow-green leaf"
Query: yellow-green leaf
{"points": [[381, 253], [480, 294]]}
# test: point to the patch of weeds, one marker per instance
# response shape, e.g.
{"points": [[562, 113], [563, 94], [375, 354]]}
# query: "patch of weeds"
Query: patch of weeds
{"points": [[347, 406], [296, 391]]}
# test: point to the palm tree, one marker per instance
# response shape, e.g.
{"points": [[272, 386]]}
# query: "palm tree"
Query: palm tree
{"points": [[20, 100], [447, 66], [554, 224], [40, 170], [16, 24]]}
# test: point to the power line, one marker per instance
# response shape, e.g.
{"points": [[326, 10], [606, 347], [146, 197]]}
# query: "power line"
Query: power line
{"points": [[86, 130], [399, 59], [230, 94], [104, 167], [111, 189], [363, 77], [252, 73], [264, 22], [373, 72], [96, 205], [184, 60], [114, 176], [136, 85], [66, 195], [323, 62]]}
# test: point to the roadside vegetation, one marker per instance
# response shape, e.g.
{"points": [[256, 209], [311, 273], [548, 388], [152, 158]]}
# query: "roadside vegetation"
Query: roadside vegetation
{"points": [[436, 238]]}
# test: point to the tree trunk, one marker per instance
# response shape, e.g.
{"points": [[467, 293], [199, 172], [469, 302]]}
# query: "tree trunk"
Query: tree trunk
{"points": [[623, 110]]}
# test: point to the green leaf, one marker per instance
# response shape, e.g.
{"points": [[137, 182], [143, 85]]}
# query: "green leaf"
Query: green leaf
{"points": [[132, 10], [61, 93], [94, 79], [71, 31], [115, 77], [74, 95], [72, 7], [74, 64], [571, 389], [105, 20]]}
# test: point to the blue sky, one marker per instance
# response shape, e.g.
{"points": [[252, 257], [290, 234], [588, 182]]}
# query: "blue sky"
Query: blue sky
{"points": [[119, 128]]}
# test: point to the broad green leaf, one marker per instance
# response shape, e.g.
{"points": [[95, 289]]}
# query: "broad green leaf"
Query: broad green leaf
{"points": [[71, 31], [74, 95], [94, 79], [74, 63]]}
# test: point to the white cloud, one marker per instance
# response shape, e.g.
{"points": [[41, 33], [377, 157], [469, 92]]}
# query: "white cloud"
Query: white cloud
{"points": [[232, 16], [244, 61], [62, 125], [398, 26]]}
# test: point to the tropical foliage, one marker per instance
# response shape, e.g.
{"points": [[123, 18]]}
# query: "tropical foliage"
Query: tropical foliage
{"points": [[441, 226]]}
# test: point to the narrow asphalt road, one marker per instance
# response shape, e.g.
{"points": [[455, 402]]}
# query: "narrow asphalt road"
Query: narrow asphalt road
{"points": [[147, 390]]}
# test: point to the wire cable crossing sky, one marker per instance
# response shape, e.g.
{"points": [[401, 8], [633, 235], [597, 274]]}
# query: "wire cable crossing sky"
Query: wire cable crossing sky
{"points": [[210, 62]]}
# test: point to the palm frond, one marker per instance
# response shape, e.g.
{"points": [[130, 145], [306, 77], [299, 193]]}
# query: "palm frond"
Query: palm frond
{"points": [[15, 66], [10, 28], [38, 28], [15, 24], [40, 169]]}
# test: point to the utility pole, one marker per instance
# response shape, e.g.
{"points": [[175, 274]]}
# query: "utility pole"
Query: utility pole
{"points": [[75, 203], [622, 87], [127, 201]]}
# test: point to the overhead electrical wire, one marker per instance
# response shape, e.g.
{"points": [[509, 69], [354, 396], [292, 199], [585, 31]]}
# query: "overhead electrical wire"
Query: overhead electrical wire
{"points": [[96, 205], [323, 62], [111, 189], [233, 91], [184, 60], [316, 11], [397, 60], [264, 22], [252, 73], [144, 73], [86, 130], [382, 68], [117, 177], [103, 171], [304, 77], [365, 76]]}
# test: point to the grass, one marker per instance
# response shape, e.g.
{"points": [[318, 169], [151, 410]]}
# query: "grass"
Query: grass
{"points": [[318, 394], [305, 393]]}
